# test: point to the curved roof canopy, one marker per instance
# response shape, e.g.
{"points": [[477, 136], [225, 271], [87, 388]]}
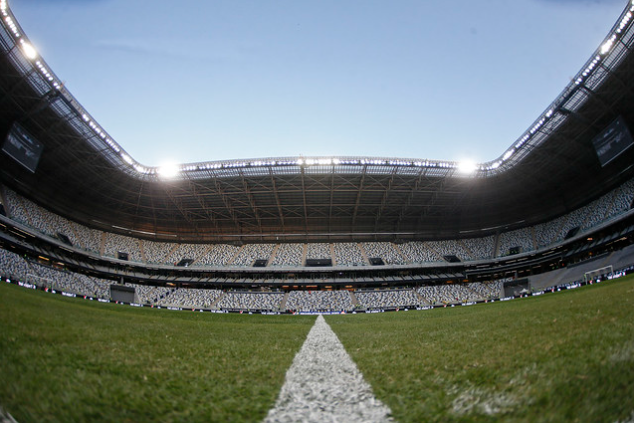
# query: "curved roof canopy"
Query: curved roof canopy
{"points": [[85, 175]]}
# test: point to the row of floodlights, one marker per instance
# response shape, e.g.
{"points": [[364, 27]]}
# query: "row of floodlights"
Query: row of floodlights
{"points": [[173, 170], [169, 171], [605, 48], [31, 54], [124, 156], [27, 48]]}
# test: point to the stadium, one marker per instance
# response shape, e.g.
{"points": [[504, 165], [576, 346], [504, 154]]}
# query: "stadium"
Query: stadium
{"points": [[320, 235]]}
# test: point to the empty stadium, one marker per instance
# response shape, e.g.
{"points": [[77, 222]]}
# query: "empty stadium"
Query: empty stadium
{"points": [[324, 235]]}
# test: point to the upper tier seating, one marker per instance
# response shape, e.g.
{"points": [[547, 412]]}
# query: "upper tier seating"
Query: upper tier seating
{"points": [[344, 254]]}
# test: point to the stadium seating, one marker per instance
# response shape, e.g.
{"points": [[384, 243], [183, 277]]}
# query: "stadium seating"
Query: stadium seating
{"points": [[521, 239], [349, 254], [158, 252], [346, 254], [251, 301], [382, 299], [386, 251], [115, 244], [15, 267], [315, 301], [480, 248], [318, 251], [289, 255], [249, 253]]}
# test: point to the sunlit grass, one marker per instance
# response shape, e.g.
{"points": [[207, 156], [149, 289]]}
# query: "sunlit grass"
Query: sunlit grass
{"points": [[72, 360], [562, 357]]}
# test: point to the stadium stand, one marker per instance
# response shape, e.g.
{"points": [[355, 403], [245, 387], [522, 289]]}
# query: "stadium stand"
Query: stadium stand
{"points": [[366, 232], [460, 293], [607, 207], [189, 298], [319, 301], [349, 254], [114, 245], [386, 251], [248, 254], [480, 248], [13, 266], [517, 241], [251, 301], [385, 299], [158, 252], [216, 255], [44, 276], [289, 255], [318, 251], [419, 252]]}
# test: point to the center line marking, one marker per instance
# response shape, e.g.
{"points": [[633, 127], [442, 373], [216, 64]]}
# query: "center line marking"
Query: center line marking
{"points": [[324, 385]]}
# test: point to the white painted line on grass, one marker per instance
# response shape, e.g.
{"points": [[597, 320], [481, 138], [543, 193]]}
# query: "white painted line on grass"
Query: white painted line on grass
{"points": [[324, 385]]}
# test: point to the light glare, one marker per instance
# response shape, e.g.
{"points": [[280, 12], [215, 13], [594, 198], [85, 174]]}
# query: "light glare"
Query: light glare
{"points": [[168, 171], [467, 167], [29, 51]]}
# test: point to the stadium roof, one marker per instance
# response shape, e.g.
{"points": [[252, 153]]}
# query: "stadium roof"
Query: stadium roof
{"points": [[85, 175]]}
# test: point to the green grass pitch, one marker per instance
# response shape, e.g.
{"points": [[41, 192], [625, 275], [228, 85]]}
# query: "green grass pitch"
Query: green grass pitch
{"points": [[562, 357], [567, 356], [64, 359]]}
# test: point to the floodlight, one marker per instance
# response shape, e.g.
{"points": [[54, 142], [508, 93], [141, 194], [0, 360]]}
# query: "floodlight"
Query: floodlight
{"points": [[168, 171], [607, 45], [467, 167], [127, 158], [29, 51]]}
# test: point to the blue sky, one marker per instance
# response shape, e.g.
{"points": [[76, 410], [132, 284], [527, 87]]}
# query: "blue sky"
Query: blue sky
{"points": [[189, 81]]}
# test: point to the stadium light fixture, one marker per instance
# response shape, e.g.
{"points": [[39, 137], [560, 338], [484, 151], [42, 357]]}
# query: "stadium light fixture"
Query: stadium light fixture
{"points": [[467, 167], [168, 171], [508, 154], [12, 26], [127, 158], [605, 48], [29, 51], [171, 171]]}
